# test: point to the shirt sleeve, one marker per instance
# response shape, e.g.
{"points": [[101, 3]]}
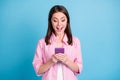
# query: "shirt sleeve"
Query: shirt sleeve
{"points": [[38, 58], [78, 56]]}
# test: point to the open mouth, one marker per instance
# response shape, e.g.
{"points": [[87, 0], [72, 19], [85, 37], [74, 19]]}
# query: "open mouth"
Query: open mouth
{"points": [[59, 28]]}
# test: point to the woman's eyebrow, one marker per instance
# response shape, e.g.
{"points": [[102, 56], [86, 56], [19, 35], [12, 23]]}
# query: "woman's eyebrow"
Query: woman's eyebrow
{"points": [[54, 18], [63, 17], [57, 18]]}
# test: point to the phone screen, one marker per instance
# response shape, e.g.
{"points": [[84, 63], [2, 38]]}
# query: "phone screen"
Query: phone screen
{"points": [[59, 50]]}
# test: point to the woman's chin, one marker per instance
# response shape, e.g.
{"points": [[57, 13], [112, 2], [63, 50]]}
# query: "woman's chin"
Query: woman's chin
{"points": [[59, 33]]}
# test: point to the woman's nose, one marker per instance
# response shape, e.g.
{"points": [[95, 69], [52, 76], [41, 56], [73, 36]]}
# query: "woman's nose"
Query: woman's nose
{"points": [[59, 23]]}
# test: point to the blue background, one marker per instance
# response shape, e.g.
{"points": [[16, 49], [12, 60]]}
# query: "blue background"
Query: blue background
{"points": [[95, 22]]}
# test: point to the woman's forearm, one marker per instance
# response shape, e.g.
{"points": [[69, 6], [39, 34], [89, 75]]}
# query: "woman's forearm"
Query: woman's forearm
{"points": [[73, 66], [43, 68]]}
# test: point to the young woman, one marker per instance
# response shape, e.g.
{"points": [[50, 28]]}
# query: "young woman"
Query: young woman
{"points": [[58, 55]]}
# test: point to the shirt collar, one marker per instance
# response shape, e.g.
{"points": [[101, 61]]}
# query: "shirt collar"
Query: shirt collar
{"points": [[53, 39]]}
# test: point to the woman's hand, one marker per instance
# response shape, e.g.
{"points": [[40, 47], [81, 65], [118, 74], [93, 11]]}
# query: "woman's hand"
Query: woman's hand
{"points": [[54, 59], [65, 60], [43, 68], [61, 57]]}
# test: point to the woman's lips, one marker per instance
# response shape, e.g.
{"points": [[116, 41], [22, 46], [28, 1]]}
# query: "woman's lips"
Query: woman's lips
{"points": [[59, 28]]}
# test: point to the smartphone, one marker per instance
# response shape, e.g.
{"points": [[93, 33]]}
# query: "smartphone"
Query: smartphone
{"points": [[59, 50]]}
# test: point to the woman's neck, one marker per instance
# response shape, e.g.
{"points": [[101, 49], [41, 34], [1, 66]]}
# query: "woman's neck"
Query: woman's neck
{"points": [[59, 37]]}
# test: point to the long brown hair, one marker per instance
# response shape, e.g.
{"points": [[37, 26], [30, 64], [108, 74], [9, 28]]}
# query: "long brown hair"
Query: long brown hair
{"points": [[50, 30]]}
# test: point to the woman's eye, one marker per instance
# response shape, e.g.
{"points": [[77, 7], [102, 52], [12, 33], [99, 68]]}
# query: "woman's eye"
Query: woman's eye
{"points": [[54, 20], [63, 20]]}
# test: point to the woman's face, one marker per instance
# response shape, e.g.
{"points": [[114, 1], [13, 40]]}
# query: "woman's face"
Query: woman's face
{"points": [[59, 22]]}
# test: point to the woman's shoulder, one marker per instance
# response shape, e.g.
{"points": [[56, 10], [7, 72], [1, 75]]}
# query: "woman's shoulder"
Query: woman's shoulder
{"points": [[76, 40], [41, 41]]}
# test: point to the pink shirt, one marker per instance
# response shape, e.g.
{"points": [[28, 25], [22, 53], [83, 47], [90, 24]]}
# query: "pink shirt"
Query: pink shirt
{"points": [[44, 52]]}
